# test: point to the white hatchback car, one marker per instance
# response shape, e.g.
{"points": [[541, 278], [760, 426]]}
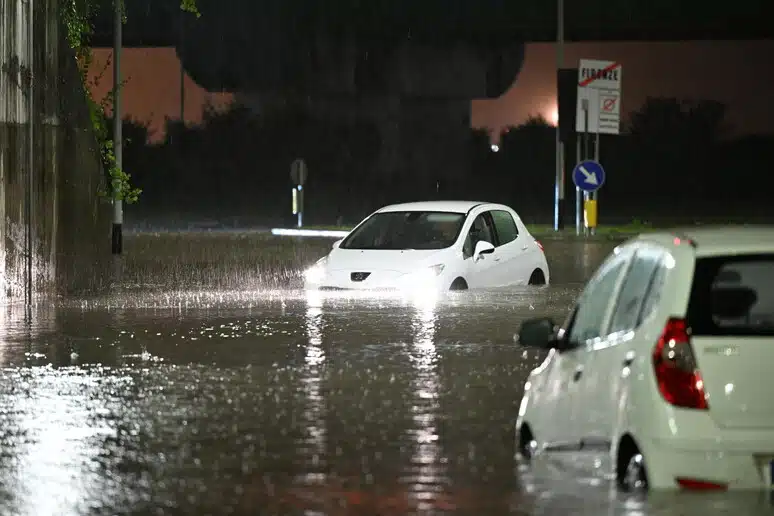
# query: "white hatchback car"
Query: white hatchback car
{"points": [[435, 245], [661, 376]]}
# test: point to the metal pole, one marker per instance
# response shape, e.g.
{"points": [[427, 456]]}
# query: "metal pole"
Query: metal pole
{"points": [[118, 213], [300, 206], [182, 69], [585, 107], [596, 158], [28, 290], [578, 202], [559, 190]]}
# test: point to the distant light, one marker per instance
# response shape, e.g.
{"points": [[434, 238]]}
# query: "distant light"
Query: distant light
{"points": [[324, 233], [495, 147], [554, 117]]}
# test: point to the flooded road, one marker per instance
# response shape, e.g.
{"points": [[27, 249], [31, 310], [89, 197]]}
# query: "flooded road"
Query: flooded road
{"points": [[211, 401]]}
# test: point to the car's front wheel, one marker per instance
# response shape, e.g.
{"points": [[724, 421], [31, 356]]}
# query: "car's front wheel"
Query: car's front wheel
{"points": [[537, 278], [526, 442], [459, 284]]}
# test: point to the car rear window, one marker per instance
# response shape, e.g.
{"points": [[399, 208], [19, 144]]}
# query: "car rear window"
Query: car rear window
{"points": [[733, 295]]}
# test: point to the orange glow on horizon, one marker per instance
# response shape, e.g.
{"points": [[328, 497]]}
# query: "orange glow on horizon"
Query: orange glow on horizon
{"points": [[151, 91], [553, 116]]}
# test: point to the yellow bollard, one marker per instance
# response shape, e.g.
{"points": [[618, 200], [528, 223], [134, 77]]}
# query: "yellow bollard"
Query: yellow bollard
{"points": [[590, 213]]}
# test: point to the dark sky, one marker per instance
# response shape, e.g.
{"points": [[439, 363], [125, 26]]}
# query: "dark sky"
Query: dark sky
{"points": [[741, 74]]}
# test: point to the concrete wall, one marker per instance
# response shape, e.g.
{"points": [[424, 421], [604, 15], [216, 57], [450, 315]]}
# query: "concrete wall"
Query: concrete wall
{"points": [[48, 157]]}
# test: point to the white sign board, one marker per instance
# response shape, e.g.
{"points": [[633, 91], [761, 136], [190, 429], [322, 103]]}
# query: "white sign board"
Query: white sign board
{"points": [[599, 96]]}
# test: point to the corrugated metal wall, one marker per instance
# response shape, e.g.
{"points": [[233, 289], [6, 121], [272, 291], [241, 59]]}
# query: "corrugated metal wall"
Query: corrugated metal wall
{"points": [[50, 167]]}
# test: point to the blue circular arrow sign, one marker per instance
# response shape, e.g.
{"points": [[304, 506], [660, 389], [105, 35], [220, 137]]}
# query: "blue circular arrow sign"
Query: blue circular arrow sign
{"points": [[588, 175]]}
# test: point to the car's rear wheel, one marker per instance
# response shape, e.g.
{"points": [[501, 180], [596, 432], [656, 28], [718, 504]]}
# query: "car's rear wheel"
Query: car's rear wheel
{"points": [[632, 473], [459, 284], [537, 278]]}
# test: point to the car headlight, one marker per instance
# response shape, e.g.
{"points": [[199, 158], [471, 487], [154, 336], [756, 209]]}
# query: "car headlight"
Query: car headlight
{"points": [[316, 273], [424, 277], [437, 269]]}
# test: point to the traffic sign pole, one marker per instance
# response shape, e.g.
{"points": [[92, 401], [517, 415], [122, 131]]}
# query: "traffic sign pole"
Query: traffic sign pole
{"points": [[298, 174], [585, 157], [595, 193], [589, 176], [578, 196], [300, 206], [599, 103], [560, 149]]}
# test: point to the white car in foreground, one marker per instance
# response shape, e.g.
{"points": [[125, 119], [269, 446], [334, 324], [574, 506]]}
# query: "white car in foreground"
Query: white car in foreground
{"points": [[438, 245], [663, 374]]}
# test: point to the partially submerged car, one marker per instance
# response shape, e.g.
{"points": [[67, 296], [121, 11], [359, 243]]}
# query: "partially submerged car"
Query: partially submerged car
{"points": [[660, 376], [435, 245]]}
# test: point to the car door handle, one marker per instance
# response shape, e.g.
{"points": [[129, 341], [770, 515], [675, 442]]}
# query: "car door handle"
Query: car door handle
{"points": [[577, 375], [524, 247], [628, 361]]}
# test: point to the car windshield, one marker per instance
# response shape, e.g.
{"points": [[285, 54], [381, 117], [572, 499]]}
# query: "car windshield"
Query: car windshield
{"points": [[402, 230]]}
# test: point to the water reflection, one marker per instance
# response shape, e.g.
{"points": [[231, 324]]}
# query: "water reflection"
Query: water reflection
{"points": [[57, 440], [426, 472], [314, 362], [302, 404], [25, 335]]}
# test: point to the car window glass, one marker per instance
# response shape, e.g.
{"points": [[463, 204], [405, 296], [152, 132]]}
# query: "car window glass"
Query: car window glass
{"points": [[654, 292], [592, 306], [479, 230], [634, 289], [506, 228], [733, 295]]}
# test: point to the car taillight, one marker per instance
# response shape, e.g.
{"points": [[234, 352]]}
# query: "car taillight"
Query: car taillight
{"points": [[539, 245], [700, 485], [677, 374]]}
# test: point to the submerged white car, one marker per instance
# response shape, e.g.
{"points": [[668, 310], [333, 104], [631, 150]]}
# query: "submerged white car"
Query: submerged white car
{"points": [[437, 245], [662, 375]]}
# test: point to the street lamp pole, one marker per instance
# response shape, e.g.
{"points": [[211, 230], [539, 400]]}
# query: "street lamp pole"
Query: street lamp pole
{"points": [[559, 188], [118, 212]]}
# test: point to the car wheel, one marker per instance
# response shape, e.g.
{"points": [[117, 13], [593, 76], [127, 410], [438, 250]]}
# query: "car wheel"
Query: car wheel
{"points": [[537, 278], [459, 284], [527, 443], [634, 478]]}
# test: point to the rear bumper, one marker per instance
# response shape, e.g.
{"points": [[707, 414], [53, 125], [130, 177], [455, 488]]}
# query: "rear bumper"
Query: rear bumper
{"points": [[735, 465]]}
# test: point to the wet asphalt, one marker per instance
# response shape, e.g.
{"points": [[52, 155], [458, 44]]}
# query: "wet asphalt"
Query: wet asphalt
{"points": [[275, 401]]}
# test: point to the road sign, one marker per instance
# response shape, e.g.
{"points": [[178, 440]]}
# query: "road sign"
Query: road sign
{"points": [[599, 95], [588, 175], [298, 171]]}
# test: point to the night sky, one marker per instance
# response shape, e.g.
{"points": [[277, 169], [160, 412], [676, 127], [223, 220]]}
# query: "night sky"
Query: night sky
{"points": [[739, 74]]}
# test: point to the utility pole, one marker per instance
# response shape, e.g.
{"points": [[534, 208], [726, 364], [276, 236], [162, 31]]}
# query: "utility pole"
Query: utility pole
{"points": [[118, 209], [29, 286], [182, 68], [559, 188]]}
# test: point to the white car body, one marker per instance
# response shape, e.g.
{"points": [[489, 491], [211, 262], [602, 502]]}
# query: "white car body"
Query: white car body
{"points": [[513, 262], [597, 401]]}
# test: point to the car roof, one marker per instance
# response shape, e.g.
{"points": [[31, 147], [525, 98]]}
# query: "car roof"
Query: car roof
{"points": [[444, 206], [718, 240]]}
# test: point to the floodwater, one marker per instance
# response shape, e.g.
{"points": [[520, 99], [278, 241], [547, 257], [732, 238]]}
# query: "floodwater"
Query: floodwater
{"points": [[282, 402]]}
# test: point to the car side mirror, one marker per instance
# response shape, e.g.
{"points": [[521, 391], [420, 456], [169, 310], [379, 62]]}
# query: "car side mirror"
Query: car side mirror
{"points": [[336, 244], [482, 247], [538, 333]]}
